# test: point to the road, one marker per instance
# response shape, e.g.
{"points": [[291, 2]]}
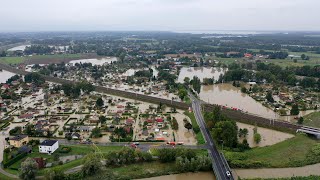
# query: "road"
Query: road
{"points": [[220, 166]]}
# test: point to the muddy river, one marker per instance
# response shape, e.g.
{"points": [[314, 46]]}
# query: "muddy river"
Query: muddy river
{"points": [[95, 61], [5, 75], [185, 176]]}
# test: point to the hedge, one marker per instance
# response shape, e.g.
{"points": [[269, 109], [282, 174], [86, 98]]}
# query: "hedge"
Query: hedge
{"points": [[14, 160]]}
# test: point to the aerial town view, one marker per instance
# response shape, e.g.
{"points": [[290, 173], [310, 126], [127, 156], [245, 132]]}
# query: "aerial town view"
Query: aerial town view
{"points": [[151, 90]]}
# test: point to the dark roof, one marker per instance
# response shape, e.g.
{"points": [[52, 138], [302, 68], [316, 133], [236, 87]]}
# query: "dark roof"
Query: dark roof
{"points": [[48, 142], [18, 137], [24, 149]]}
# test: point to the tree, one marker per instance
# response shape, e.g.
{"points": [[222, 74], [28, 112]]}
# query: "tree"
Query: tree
{"points": [[186, 81], [295, 110], [96, 132], [188, 126], [269, 97], [243, 132], [102, 119], [226, 131], [99, 102], [303, 56], [182, 93], [257, 138], [28, 169], [300, 120], [54, 174], [91, 164]]}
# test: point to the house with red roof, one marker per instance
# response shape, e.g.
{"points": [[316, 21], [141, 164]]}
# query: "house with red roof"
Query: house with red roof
{"points": [[129, 121], [159, 120], [248, 55], [5, 87]]}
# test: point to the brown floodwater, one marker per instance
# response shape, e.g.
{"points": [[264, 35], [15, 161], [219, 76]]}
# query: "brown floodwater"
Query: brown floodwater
{"points": [[95, 61], [186, 176], [5, 75], [200, 72], [230, 96]]}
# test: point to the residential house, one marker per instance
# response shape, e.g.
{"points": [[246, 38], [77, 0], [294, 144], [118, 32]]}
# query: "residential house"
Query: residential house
{"points": [[48, 146], [19, 140]]}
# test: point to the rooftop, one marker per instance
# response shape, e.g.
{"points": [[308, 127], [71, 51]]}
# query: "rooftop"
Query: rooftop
{"points": [[48, 142]]}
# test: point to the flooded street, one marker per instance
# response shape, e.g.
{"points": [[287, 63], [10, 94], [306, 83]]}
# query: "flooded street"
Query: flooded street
{"points": [[95, 61], [200, 72], [186, 176], [5, 75], [230, 96]]}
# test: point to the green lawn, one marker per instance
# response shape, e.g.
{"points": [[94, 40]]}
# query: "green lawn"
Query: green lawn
{"points": [[194, 123], [12, 60], [4, 177], [75, 150], [290, 153], [312, 119]]}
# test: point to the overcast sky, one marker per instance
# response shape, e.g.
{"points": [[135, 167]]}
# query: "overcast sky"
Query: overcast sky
{"points": [[166, 15]]}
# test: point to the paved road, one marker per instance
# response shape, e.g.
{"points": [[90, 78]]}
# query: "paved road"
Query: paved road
{"points": [[219, 163]]}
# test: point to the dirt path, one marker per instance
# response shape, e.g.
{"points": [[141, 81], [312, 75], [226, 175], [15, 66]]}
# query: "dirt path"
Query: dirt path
{"points": [[278, 172], [8, 174]]}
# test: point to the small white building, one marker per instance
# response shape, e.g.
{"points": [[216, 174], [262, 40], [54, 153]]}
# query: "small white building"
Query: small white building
{"points": [[48, 146]]}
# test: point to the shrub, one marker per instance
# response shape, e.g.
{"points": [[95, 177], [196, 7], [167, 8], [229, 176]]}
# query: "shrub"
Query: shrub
{"points": [[65, 149]]}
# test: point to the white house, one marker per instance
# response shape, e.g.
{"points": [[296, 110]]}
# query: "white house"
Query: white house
{"points": [[48, 146]]}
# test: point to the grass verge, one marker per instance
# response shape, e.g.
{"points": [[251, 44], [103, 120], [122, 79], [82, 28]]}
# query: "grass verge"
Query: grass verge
{"points": [[294, 152], [195, 125], [312, 119]]}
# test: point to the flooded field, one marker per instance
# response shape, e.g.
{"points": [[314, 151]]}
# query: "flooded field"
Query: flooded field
{"points": [[19, 48], [230, 96], [200, 72], [5, 75], [186, 176], [268, 136], [95, 61]]}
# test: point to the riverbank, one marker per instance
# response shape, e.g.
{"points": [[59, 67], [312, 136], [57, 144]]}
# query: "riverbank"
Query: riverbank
{"points": [[278, 172]]}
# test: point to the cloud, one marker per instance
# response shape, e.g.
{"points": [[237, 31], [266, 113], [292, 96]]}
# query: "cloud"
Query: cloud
{"points": [[33, 15]]}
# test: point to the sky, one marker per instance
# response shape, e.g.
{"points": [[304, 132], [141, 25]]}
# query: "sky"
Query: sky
{"points": [[159, 15]]}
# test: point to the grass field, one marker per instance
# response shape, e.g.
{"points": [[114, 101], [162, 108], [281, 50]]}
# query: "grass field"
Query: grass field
{"points": [[4, 177], [194, 123], [290, 153], [312, 119], [75, 150]]}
